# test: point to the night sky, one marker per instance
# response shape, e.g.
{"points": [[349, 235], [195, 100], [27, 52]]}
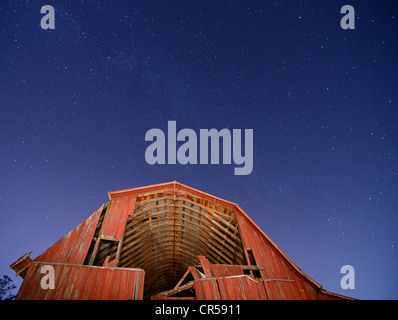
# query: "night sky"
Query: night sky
{"points": [[77, 101]]}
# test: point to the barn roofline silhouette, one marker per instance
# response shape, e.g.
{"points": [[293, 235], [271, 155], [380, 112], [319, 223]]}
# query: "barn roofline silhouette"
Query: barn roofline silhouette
{"points": [[167, 241]]}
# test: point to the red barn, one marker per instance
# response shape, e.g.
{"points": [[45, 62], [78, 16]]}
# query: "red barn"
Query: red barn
{"points": [[181, 242]]}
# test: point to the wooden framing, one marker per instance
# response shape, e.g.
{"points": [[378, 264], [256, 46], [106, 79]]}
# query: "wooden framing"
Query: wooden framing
{"points": [[168, 230]]}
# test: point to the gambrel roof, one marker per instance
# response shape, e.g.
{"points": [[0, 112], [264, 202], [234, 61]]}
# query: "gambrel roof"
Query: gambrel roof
{"points": [[180, 238]]}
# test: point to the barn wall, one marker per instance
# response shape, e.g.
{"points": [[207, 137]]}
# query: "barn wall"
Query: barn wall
{"points": [[76, 282], [74, 246], [282, 279]]}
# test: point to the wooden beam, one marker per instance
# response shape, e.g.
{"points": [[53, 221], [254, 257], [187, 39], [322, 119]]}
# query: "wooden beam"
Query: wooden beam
{"points": [[214, 233], [174, 291], [244, 267], [97, 242], [182, 279], [168, 226]]}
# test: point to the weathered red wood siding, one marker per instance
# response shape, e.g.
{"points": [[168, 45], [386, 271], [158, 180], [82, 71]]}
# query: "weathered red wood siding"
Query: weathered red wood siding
{"points": [[276, 277], [116, 218], [77, 282], [229, 282], [74, 246]]}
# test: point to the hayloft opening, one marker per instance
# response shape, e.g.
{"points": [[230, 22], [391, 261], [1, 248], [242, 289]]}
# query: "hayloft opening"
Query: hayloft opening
{"points": [[168, 231]]}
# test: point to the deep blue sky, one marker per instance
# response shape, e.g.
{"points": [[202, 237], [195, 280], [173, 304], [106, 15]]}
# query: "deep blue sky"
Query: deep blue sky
{"points": [[76, 103]]}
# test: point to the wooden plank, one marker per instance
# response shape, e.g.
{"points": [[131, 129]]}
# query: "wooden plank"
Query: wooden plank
{"points": [[249, 286], [215, 292], [126, 210], [277, 264], [63, 280], [189, 270], [195, 273], [224, 270], [60, 252], [74, 246], [108, 288], [73, 249], [238, 269], [111, 220], [231, 270], [176, 290], [206, 266], [268, 290], [120, 290], [254, 241], [280, 289], [84, 283], [261, 290], [293, 291], [140, 294], [299, 287], [116, 292], [26, 284], [234, 289], [21, 265], [215, 269], [97, 241], [222, 289], [106, 281], [89, 290], [136, 283], [106, 261], [210, 289], [82, 245], [119, 248], [113, 263], [120, 234], [199, 290]]}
